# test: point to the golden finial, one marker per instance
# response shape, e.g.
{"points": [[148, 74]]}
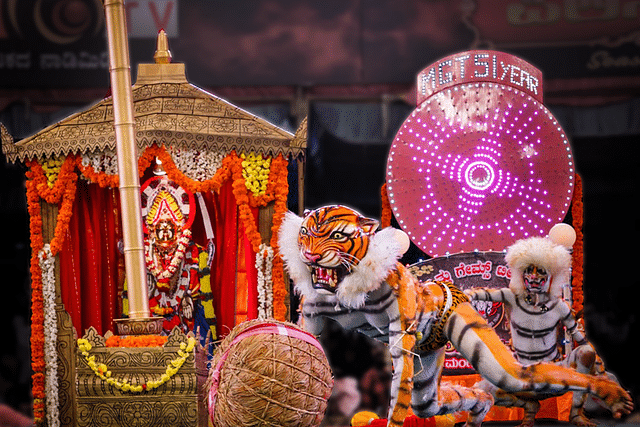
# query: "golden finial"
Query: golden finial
{"points": [[162, 55]]}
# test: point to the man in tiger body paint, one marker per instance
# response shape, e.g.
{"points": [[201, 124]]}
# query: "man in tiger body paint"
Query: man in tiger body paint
{"points": [[347, 271], [539, 269]]}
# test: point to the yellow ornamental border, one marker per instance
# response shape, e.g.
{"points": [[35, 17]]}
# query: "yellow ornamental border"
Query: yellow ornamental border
{"points": [[102, 371]]}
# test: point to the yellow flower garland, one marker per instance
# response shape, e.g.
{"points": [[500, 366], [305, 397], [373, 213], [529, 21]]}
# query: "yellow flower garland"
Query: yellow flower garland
{"points": [[102, 371], [51, 168], [255, 171]]}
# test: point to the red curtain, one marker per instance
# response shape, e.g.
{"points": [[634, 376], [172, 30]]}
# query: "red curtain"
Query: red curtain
{"points": [[90, 261], [233, 276]]}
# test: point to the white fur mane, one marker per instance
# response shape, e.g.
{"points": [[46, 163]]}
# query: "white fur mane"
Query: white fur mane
{"points": [[381, 258], [542, 252]]}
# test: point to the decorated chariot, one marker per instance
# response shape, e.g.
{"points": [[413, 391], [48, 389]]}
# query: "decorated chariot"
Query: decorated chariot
{"points": [[215, 187]]}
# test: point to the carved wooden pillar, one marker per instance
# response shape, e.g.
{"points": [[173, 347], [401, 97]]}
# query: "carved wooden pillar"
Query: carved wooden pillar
{"points": [[66, 337]]}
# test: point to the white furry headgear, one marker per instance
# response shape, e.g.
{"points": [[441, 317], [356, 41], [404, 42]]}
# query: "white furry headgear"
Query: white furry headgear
{"points": [[541, 252]]}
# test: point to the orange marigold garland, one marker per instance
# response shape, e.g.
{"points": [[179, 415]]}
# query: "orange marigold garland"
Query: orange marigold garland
{"points": [[385, 214], [102, 179], [37, 308], [241, 194], [175, 174], [61, 192], [280, 185], [577, 212], [136, 341]]}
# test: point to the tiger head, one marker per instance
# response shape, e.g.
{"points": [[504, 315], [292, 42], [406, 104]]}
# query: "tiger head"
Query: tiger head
{"points": [[334, 250], [332, 241]]}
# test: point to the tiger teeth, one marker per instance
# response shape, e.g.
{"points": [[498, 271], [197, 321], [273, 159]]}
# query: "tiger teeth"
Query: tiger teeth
{"points": [[325, 276]]}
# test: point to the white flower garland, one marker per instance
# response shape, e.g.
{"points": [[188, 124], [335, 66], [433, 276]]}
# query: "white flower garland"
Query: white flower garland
{"points": [[105, 161], [264, 266], [198, 165], [47, 266]]}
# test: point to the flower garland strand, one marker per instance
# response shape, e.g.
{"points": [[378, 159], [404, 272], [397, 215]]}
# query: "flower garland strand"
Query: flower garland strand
{"points": [[61, 192], [385, 214], [102, 371], [136, 340], [37, 308], [51, 169], [255, 171], [156, 268], [47, 267], [577, 214], [245, 213], [213, 184], [103, 179], [264, 267], [279, 184]]}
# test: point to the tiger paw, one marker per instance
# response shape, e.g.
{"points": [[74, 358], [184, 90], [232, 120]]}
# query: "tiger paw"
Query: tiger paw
{"points": [[616, 398]]}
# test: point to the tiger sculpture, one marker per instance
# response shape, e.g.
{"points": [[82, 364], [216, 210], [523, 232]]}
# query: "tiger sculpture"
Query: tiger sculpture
{"points": [[347, 271]]}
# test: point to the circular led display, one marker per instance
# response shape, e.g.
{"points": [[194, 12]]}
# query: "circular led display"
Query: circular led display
{"points": [[477, 167]]}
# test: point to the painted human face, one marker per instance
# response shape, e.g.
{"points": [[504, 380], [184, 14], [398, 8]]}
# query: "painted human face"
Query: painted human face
{"points": [[536, 279]]}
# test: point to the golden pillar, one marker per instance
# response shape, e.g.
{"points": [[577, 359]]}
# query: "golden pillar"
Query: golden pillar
{"points": [[119, 70]]}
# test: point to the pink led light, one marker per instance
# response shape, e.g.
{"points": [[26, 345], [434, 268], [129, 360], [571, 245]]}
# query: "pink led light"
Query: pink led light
{"points": [[468, 187]]}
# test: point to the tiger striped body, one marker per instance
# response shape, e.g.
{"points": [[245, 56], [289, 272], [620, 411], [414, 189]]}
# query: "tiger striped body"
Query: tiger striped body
{"points": [[537, 313], [374, 294]]}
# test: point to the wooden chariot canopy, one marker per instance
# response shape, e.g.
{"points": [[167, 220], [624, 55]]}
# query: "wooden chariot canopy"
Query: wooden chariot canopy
{"points": [[168, 110]]}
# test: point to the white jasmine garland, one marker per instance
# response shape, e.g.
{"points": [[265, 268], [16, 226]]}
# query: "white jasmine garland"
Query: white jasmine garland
{"points": [[198, 165], [47, 267], [106, 162], [264, 267]]}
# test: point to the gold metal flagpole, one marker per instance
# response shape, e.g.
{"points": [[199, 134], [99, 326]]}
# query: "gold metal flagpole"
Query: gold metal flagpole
{"points": [[119, 70]]}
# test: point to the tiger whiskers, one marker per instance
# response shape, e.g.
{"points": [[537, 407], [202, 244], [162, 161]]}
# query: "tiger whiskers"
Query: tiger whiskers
{"points": [[348, 260]]}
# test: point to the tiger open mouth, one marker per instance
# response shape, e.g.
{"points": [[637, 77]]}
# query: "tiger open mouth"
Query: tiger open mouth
{"points": [[326, 279]]}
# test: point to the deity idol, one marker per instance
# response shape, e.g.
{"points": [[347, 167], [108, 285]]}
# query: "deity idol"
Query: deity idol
{"points": [[178, 269]]}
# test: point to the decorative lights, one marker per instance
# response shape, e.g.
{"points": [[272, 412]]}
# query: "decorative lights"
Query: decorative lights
{"points": [[479, 165]]}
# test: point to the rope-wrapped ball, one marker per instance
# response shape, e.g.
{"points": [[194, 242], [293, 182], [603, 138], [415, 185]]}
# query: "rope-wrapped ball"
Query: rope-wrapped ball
{"points": [[269, 373]]}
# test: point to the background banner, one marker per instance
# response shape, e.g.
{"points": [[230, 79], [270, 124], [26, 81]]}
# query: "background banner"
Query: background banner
{"points": [[470, 270], [62, 43]]}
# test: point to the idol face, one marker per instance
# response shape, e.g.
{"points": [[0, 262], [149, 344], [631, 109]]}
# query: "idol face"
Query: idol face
{"points": [[166, 235]]}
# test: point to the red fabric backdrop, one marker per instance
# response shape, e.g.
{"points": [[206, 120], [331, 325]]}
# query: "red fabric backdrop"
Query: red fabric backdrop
{"points": [[89, 259]]}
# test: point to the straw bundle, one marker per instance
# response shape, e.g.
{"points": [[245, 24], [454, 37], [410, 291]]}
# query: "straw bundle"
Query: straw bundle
{"points": [[268, 373]]}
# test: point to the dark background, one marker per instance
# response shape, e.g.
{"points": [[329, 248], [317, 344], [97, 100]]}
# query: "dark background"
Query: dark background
{"points": [[348, 65]]}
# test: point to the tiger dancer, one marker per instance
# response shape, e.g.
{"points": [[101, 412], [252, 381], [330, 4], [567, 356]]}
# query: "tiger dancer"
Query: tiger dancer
{"points": [[346, 271], [539, 270]]}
